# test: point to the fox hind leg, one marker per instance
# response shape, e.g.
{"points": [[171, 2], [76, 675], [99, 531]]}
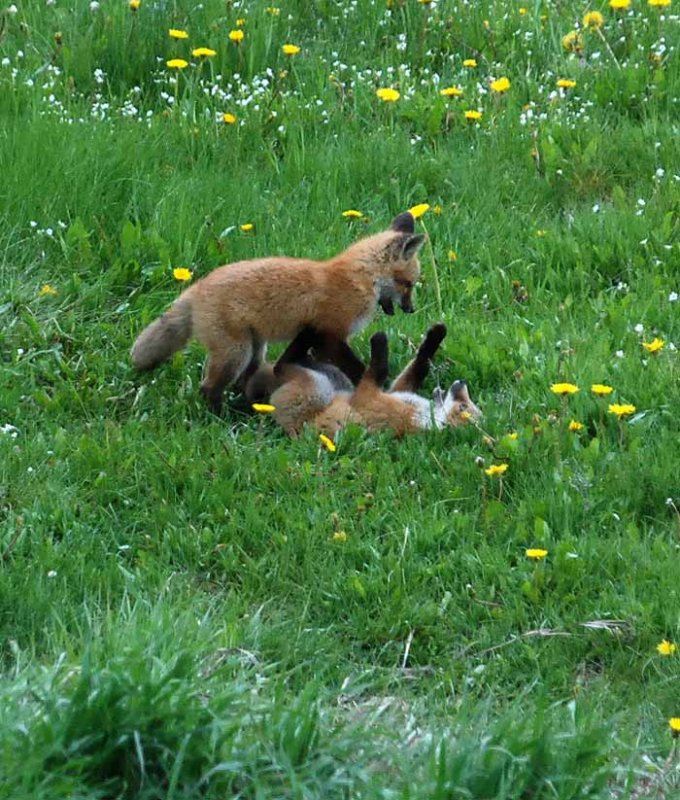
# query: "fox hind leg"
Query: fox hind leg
{"points": [[413, 376], [224, 366]]}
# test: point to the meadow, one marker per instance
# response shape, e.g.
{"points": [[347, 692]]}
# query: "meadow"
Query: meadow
{"points": [[194, 606]]}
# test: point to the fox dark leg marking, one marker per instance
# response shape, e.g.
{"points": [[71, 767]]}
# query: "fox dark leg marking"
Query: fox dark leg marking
{"points": [[336, 351], [222, 369], [413, 377], [378, 367]]}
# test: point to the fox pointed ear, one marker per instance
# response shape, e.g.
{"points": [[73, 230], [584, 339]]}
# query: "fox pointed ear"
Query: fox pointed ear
{"points": [[459, 391], [404, 223], [438, 396], [411, 245]]}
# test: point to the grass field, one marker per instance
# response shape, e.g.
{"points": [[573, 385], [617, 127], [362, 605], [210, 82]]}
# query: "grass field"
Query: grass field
{"points": [[194, 606]]}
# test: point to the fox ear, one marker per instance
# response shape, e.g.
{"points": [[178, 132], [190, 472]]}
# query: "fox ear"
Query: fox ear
{"points": [[438, 396], [411, 245], [404, 223], [459, 391]]}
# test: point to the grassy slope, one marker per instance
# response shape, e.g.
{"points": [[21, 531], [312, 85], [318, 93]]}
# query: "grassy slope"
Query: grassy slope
{"points": [[198, 586]]}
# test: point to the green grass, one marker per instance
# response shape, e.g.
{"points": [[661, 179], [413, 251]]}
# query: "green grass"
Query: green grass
{"points": [[177, 618]]}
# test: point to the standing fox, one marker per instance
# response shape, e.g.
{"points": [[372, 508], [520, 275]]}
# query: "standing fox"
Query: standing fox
{"points": [[236, 309], [306, 391]]}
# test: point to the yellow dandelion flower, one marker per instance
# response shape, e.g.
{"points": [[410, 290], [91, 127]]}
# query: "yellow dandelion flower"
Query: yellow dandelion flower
{"points": [[135, 4], [417, 211], [203, 52], [452, 255], [566, 83], [47, 289], [240, 22], [329, 444], [496, 469], [513, 436], [665, 648], [523, 11], [674, 724], [593, 20], [501, 85], [290, 49], [451, 91], [601, 389], [263, 408], [572, 42], [176, 33], [237, 36], [273, 11], [352, 213], [340, 536], [658, 3], [230, 119], [470, 63], [177, 63], [473, 116], [537, 553], [619, 5], [247, 227], [182, 274], [575, 426], [424, 2], [654, 346], [388, 95], [622, 409], [466, 416], [564, 388], [438, 210]]}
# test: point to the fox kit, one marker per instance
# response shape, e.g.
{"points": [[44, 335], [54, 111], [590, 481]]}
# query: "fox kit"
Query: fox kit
{"points": [[309, 391], [236, 309]]}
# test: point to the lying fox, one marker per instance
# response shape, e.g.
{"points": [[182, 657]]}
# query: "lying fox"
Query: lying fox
{"points": [[236, 309], [307, 391]]}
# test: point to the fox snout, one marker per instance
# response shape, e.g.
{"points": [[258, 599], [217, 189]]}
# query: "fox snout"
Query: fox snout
{"points": [[405, 304]]}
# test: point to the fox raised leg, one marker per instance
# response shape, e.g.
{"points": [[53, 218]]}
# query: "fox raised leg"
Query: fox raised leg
{"points": [[413, 376]]}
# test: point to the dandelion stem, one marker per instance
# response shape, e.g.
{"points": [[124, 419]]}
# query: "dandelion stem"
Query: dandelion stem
{"points": [[609, 50], [435, 274]]}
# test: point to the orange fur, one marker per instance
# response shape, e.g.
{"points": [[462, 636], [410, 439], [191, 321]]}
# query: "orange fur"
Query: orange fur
{"points": [[306, 396], [236, 309]]}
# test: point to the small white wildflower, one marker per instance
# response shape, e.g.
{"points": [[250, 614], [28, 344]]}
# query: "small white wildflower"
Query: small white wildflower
{"points": [[52, 573], [619, 353], [673, 297], [12, 9], [596, 208], [659, 173], [639, 328]]}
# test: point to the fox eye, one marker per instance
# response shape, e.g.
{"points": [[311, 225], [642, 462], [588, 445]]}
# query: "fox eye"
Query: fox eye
{"points": [[402, 282]]}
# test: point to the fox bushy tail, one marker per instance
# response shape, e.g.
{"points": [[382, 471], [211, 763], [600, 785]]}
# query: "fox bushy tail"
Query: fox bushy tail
{"points": [[168, 334]]}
